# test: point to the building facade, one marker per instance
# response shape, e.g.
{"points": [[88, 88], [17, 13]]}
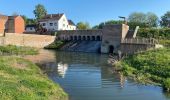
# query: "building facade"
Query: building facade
{"points": [[30, 28], [11, 24], [55, 22]]}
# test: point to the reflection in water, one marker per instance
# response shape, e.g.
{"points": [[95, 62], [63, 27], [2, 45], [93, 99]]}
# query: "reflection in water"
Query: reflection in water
{"points": [[62, 68], [87, 76]]}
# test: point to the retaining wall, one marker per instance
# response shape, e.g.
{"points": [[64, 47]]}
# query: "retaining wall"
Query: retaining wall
{"points": [[31, 40]]}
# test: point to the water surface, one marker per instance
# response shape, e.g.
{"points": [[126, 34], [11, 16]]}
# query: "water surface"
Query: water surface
{"points": [[88, 76]]}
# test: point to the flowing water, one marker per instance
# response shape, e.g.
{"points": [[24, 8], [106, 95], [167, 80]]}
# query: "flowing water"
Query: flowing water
{"points": [[88, 76]]}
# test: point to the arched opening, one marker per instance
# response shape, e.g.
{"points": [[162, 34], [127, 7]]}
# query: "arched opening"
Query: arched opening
{"points": [[111, 49], [88, 38], [93, 38], [79, 38], [98, 38], [71, 38], [75, 38], [84, 38]]}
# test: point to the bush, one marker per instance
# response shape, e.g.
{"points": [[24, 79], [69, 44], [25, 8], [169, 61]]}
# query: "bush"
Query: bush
{"points": [[163, 33], [166, 84]]}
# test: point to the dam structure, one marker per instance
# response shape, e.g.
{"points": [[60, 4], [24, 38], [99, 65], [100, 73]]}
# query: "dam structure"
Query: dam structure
{"points": [[109, 39]]}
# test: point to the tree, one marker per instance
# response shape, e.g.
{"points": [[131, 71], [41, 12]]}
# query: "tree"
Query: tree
{"points": [[40, 11], [83, 26], [110, 22], [165, 20], [143, 20], [28, 21], [152, 19], [137, 17]]}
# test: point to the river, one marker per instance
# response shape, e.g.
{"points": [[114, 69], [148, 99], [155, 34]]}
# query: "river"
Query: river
{"points": [[88, 76]]}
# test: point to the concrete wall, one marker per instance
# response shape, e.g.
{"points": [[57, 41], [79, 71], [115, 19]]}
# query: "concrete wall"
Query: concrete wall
{"points": [[112, 36], [72, 34], [130, 48], [38, 41]]}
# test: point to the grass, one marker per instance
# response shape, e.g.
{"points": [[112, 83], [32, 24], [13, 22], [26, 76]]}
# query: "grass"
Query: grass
{"points": [[17, 50], [152, 66], [22, 80], [56, 45]]}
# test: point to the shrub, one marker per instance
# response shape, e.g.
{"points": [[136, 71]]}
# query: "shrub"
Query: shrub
{"points": [[166, 84]]}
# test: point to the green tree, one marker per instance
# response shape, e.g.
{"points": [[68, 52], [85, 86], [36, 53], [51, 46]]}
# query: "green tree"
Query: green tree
{"points": [[137, 17], [83, 25], [110, 22], [28, 21], [40, 11], [152, 19], [165, 20], [143, 20]]}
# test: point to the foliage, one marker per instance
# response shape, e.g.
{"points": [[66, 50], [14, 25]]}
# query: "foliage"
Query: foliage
{"points": [[83, 26], [23, 80], [56, 45], [17, 50], [110, 22], [29, 21], [165, 20], [166, 84], [40, 11], [162, 33], [150, 66], [143, 20], [137, 17]]}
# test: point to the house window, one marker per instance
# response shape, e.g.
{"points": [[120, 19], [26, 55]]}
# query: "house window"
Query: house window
{"points": [[51, 24], [30, 28], [63, 25], [55, 24], [43, 24]]}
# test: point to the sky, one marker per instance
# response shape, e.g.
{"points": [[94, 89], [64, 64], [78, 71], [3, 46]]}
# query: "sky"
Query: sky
{"points": [[91, 11]]}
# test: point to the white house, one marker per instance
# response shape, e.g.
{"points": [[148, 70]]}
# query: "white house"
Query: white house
{"points": [[54, 22], [30, 28]]}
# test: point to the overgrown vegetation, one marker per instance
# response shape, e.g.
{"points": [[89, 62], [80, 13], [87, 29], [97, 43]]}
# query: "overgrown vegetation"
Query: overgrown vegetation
{"points": [[23, 80], [17, 50], [152, 66], [162, 33], [56, 45]]}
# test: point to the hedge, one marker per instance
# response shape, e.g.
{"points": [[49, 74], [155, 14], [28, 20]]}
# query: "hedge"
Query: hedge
{"points": [[162, 33]]}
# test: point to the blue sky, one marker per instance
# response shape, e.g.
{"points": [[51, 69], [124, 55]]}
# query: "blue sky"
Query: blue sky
{"points": [[92, 11]]}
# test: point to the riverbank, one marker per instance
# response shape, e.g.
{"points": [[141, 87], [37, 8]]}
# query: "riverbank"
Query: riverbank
{"points": [[17, 50], [21, 79], [152, 66]]}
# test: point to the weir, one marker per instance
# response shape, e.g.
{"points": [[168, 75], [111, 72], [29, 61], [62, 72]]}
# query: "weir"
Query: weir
{"points": [[109, 39]]}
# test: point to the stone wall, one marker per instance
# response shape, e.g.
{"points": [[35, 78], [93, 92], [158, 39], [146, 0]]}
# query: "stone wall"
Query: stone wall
{"points": [[80, 35], [131, 48], [112, 36], [31, 40]]}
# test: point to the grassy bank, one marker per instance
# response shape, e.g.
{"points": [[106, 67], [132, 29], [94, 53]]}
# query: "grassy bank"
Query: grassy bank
{"points": [[20, 79], [16, 50], [56, 45], [152, 66], [23, 80]]}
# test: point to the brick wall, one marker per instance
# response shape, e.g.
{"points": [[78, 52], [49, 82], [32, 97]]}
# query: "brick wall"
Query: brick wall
{"points": [[19, 25]]}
